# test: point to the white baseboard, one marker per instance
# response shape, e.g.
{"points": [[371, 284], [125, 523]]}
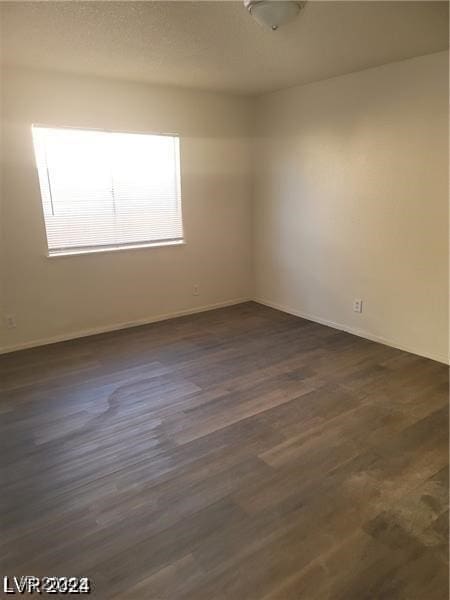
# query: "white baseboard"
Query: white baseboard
{"points": [[116, 326], [163, 317], [352, 330]]}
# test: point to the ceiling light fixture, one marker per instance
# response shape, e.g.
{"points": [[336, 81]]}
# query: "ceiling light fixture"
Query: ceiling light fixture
{"points": [[273, 13]]}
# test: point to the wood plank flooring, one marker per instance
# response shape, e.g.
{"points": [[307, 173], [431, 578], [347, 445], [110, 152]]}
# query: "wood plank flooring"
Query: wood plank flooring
{"points": [[239, 454]]}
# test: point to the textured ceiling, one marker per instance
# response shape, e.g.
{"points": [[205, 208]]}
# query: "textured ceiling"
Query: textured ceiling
{"points": [[217, 45]]}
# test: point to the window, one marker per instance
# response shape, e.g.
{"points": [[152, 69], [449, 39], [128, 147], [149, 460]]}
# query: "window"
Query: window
{"points": [[104, 190]]}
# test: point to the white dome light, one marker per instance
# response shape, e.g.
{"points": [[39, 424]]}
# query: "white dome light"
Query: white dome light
{"points": [[273, 13]]}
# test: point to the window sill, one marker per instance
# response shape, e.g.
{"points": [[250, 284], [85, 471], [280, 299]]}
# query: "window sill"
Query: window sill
{"points": [[100, 250]]}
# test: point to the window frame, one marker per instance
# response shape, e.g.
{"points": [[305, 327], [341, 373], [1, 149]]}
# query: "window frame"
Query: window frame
{"points": [[101, 249]]}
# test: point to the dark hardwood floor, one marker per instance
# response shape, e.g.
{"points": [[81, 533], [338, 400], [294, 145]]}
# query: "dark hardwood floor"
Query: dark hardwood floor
{"points": [[239, 454]]}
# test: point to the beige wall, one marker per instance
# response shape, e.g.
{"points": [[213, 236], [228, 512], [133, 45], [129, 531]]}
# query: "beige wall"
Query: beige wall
{"points": [[350, 181], [66, 296], [351, 202]]}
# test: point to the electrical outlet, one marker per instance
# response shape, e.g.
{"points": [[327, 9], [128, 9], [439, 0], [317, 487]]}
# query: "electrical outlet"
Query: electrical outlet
{"points": [[196, 290], [357, 305], [10, 321]]}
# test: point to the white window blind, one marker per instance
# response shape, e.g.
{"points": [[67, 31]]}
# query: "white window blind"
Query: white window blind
{"points": [[108, 190]]}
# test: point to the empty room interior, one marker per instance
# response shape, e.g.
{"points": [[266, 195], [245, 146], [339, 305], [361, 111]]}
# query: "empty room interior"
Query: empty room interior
{"points": [[224, 271]]}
